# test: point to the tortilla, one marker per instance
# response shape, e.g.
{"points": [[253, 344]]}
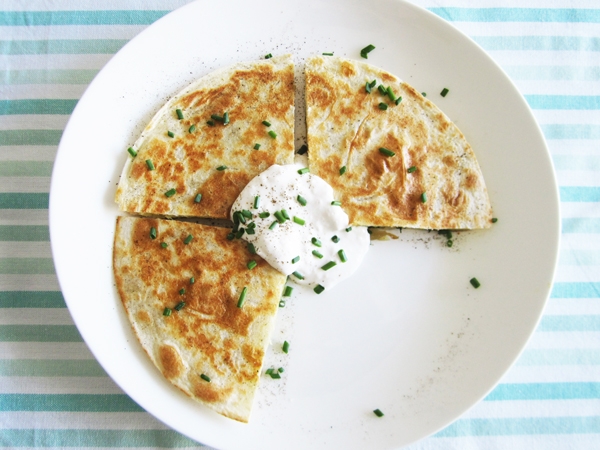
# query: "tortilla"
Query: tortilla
{"points": [[210, 335], [188, 163], [347, 128]]}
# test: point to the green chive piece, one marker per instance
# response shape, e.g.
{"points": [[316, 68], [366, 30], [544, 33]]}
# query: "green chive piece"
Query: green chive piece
{"points": [[382, 89], [239, 216], [192, 280], [378, 413], [475, 282], [264, 214], [303, 170], [252, 225], [302, 150], [221, 168], [365, 51], [444, 92], [216, 117], [336, 203], [295, 260], [275, 375], [231, 236], [279, 217], [368, 87], [391, 94], [386, 152], [272, 134], [167, 312], [398, 100], [132, 152], [328, 54], [179, 114], [348, 229], [318, 289], [424, 94], [198, 198], [285, 214], [188, 239], [342, 256], [268, 55], [240, 233], [250, 231], [242, 297], [180, 306], [164, 244], [424, 197], [170, 134], [225, 118], [251, 248], [205, 378], [247, 214], [273, 225], [373, 83], [494, 219], [288, 291], [329, 265], [269, 371], [299, 221], [301, 200], [153, 233], [149, 164], [316, 242], [342, 170], [192, 129], [211, 123], [266, 123], [256, 201], [282, 303], [298, 275], [256, 146], [281, 370], [383, 106], [181, 291], [449, 243], [251, 264], [285, 347], [411, 169], [317, 254], [171, 192], [446, 233], [335, 239]]}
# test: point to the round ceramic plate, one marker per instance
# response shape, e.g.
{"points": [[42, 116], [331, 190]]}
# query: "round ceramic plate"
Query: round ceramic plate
{"points": [[407, 334]]}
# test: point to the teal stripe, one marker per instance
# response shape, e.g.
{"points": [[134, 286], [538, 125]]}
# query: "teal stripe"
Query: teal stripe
{"points": [[57, 76], [456, 14], [32, 18], [581, 225], [68, 402], [576, 290], [62, 46], [570, 323], [560, 357], [579, 258], [37, 106], [24, 233], [30, 137], [32, 299], [26, 168], [522, 426], [539, 43], [544, 391], [19, 200], [20, 266], [580, 194], [576, 162], [578, 102], [50, 368], [554, 73], [577, 131], [96, 438], [39, 333]]}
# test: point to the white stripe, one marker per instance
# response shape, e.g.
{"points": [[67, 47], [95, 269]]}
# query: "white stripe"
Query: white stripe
{"points": [[558, 87], [26, 91], [23, 62], [40, 316], [580, 241], [80, 420], [564, 117], [503, 3], [45, 32], [542, 374], [34, 282], [24, 184], [544, 57], [533, 28], [564, 340], [44, 350], [577, 274], [89, 5], [532, 408], [58, 385], [24, 217], [33, 122], [568, 306], [575, 147], [579, 209], [9, 249], [512, 442], [577, 178]]}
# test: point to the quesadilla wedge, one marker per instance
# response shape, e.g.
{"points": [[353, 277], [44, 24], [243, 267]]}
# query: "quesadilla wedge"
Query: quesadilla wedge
{"points": [[208, 141], [391, 163], [182, 287]]}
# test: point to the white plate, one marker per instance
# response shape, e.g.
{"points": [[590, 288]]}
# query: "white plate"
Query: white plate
{"points": [[407, 334]]}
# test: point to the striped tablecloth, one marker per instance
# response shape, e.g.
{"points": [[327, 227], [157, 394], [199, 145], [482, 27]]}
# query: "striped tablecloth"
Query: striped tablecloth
{"points": [[54, 394]]}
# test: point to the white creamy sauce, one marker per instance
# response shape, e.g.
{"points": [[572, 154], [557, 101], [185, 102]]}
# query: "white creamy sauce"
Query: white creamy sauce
{"points": [[288, 246]]}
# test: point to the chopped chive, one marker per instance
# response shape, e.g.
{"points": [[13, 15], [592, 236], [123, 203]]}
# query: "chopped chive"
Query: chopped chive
{"points": [[303, 170], [281, 370], [475, 282], [302, 150], [181, 291], [285, 214], [240, 233], [288, 291], [252, 225], [198, 198], [179, 114], [250, 231], [449, 243], [285, 347], [251, 248], [336, 203], [170, 134], [188, 239], [211, 123], [368, 87], [329, 265], [153, 233], [273, 225], [192, 129], [365, 51], [269, 371], [179, 306], [164, 244], [298, 275], [132, 152], [167, 312], [301, 200], [225, 118], [272, 134], [282, 303], [275, 375], [342, 170], [247, 214], [494, 219], [378, 413], [264, 214], [256, 146], [295, 260], [279, 217], [328, 54], [171, 192], [239, 216], [398, 100], [242, 297], [446, 233], [373, 83], [424, 197], [216, 117], [411, 169], [268, 55], [221, 168], [205, 378], [444, 92], [348, 229], [383, 106], [299, 221], [149, 164], [386, 152], [335, 239], [382, 90], [318, 289], [342, 256], [316, 242], [192, 280], [231, 236], [424, 94], [251, 264], [317, 254], [391, 94], [266, 123]]}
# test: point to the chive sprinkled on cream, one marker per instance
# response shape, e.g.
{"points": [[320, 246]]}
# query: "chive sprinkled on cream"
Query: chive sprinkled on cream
{"points": [[411, 169], [264, 214], [266, 123], [132, 152], [167, 312], [150, 164], [273, 225], [299, 221], [475, 282], [240, 233], [295, 260], [316, 242], [285, 347], [256, 201], [153, 233], [336, 203], [342, 170], [279, 217], [272, 134], [170, 134], [342, 256], [424, 197], [256, 146], [188, 239], [179, 306], [318, 289], [285, 214], [247, 214], [205, 378], [444, 92], [378, 412], [303, 170], [298, 275], [329, 265], [317, 254], [198, 198], [179, 113], [221, 168], [171, 192], [301, 200], [288, 291], [386, 152], [251, 248], [242, 297], [365, 51], [251, 264]]}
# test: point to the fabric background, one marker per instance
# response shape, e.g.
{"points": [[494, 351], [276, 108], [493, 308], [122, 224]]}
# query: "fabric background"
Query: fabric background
{"points": [[53, 394]]}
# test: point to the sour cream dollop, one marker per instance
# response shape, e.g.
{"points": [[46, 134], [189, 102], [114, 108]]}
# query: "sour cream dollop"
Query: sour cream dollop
{"points": [[316, 245]]}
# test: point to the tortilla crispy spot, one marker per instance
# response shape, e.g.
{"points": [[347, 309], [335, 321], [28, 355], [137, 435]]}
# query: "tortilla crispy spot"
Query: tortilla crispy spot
{"points": [[144, 317], [205, 391], [172, 366], [348, 69]]}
